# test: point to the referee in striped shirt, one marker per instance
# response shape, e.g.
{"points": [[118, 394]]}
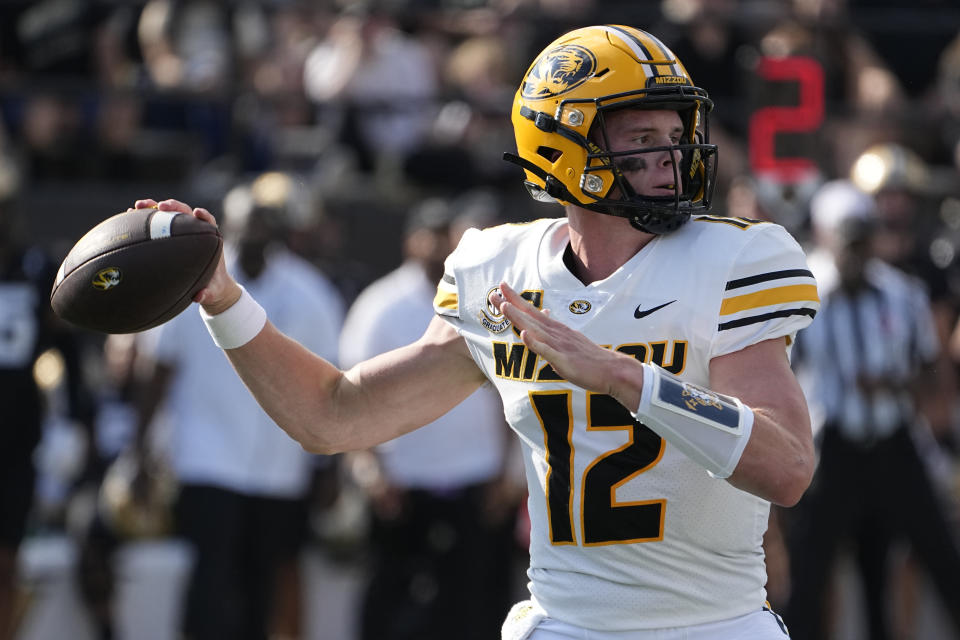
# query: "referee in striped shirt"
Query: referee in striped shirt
{"points": [[872, 344]]}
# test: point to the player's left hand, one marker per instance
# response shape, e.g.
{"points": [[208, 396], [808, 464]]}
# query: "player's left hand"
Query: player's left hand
{"points": [[573, 355]]}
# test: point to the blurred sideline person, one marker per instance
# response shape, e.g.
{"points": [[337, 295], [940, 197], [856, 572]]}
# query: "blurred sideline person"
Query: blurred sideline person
{"points": [[115, 501], [871, 349], [901, 184], [443, 506], [640, 347], [910, 237], [28, 328], [242, 502], [375, 82], [23, 289]]}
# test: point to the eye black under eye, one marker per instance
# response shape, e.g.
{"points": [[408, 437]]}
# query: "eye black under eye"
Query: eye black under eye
{"points": [[631, 163]]}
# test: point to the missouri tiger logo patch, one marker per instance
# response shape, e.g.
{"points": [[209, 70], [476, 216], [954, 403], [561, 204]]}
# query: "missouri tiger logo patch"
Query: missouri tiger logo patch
{"points": [[580, 307], [107, 278]]}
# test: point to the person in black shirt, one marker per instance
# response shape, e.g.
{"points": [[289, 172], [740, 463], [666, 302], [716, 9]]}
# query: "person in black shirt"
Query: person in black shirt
{"points": [[27, 328]]}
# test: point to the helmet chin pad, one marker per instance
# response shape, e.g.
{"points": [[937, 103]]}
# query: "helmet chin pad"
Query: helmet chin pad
{"points": [[659, 222], [647, 217]]}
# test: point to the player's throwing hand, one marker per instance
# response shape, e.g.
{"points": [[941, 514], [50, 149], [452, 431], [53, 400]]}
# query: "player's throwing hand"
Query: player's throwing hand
{"points": [[222, 290]]}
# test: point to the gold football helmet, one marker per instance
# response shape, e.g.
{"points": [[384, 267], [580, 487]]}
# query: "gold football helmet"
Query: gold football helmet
{"points": [[137, 502], [558, 120]]}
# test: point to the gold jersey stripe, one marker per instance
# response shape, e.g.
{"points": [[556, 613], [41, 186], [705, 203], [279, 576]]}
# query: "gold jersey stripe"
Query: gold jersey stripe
{"points": [[779, 295], [446, 300]]}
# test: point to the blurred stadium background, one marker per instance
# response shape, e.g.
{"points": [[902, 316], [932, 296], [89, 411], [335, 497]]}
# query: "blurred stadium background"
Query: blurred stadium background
{"points": [[371, 105]]}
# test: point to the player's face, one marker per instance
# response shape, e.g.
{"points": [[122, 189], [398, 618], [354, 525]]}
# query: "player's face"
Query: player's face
{"points": [[650, 174], [852, 248]]}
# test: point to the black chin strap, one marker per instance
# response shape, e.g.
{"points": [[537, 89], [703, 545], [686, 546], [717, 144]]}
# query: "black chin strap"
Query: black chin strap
{"points": [[525, 164], [552, 187]]}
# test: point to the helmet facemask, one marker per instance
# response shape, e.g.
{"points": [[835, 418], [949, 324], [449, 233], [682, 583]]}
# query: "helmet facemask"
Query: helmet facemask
{"points": [[693, 162]]}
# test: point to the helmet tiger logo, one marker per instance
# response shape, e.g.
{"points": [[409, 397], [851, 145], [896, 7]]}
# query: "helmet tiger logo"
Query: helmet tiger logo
{"points": [[559, 70]]}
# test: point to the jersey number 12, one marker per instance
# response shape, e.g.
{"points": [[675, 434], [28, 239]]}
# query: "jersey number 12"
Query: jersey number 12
{"points": [[603, 519]]}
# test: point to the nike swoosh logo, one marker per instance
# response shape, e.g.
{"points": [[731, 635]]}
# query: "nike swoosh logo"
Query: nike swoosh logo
{"points": [[643, 313]]}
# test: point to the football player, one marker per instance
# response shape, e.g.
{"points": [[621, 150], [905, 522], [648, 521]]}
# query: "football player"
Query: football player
{"points": [[640, 346]]}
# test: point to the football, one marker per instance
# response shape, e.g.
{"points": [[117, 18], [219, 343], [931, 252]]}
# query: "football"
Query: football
{"points": [[135, 270]]}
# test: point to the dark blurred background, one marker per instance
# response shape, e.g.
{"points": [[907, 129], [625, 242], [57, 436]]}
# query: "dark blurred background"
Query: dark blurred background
{"points": [[372, 103], [370, 106]]}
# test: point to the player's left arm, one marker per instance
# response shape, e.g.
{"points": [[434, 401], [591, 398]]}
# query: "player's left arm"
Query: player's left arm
{"points": [[778, 461], [769, 453]]}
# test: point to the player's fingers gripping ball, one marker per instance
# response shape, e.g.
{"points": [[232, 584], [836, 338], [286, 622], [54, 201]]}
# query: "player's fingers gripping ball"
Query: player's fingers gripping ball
{"points": [[136, 270]]}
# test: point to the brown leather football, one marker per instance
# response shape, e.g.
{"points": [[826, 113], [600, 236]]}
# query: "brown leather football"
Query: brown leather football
{"points": [[135, 270]]}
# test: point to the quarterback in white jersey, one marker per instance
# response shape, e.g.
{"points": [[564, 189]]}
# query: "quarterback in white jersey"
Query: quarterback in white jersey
{"points": [[640, 346], [627, 531]]}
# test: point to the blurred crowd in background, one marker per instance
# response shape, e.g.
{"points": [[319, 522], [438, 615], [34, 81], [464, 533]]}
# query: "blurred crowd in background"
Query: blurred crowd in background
{"points": [[362, 137]]}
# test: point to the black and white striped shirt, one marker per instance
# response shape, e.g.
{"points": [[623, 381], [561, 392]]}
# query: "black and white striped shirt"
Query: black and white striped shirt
{"points": [[884, 331]]}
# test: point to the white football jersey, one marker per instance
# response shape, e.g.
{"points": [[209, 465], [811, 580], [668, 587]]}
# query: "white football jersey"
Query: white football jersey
{"points": [[627, 532]]}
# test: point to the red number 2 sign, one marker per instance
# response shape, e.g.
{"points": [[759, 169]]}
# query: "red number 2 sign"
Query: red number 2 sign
{"points": [[805, 117]]}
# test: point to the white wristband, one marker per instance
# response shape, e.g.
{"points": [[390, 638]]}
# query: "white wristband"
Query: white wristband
{"points": [[238, 325], [710, 428]]}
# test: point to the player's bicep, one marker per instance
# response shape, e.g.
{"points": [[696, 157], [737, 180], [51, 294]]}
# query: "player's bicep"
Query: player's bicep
{"points": [[411, 386], [760, 375]]}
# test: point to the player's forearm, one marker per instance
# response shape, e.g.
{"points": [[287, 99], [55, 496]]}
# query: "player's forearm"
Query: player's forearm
{"points": [[778, 461], [295, 387], [761, 447], [777, 464], [329, 411]]}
